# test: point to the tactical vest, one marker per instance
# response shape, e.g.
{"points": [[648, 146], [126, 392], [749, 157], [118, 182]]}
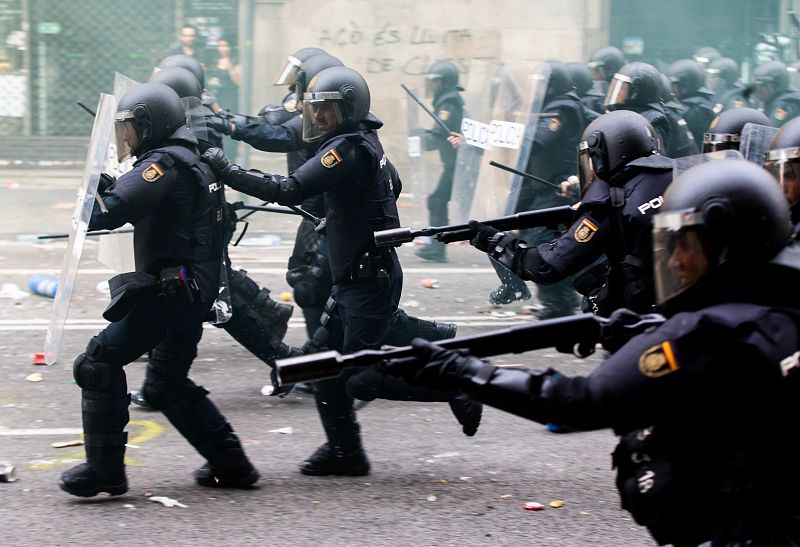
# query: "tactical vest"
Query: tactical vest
{"points": [[354, 213], [668, 121], [186, 228], [559, 160]]}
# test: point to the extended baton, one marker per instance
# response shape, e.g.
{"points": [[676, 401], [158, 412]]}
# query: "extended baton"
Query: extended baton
{"points": [[523, 174], [436, 118]]}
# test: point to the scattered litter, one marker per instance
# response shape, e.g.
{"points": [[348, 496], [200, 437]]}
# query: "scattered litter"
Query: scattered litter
{"points": [[410, 304], [464, 479], [532, 506], [584, 514], [286, 296], [506, 496], [494, 481], [43, 285], [267, 390], [35, 377], [314, 502], [443, 481], [7, 472], [129, 506], [65, 444], [12, 292], [166, 502], [102, 287], [447, 455], [367, 484], [496, 313], [529, 310], [284, 430], [557, 504], [430, 283], [12, 185], [431, 498], [38, 358]]}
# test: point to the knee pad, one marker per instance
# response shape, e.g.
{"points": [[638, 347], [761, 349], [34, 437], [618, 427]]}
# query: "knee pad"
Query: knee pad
{"points": [[93, 375]]}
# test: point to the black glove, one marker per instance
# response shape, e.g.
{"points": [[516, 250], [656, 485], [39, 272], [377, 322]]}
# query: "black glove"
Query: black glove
{"points": [[483, 234], [441, 368], [220, 124], [106, 182], [215, 157], [614, 333]]}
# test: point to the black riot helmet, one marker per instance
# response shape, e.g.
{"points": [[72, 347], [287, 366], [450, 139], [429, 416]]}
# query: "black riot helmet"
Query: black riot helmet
{"points": [[441, 76], [667, 94], [287, 75], [725, 130], [722, 73], [560, 81], [336, 100], [179, 80], [783, 160], [719, 219], [770, 79], [605, 62], [184, 61], [636, 84], [611, 142], [581, 77], [311, 67], [146, 117], [706, 55], [687, 78]]}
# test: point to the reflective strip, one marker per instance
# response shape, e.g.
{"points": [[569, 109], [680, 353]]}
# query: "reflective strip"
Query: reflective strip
{"points": [[783, 154], [321, 96], [675, 220], [721, 137], [623, 78]]}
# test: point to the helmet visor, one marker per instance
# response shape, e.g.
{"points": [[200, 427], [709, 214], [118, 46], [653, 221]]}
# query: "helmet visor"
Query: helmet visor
{"points": [[619, 91], [433, 82], [287, 75], [714, 142], [679, 256], [713, 79], [125, 135], [586, 173], [322, 114], [784, 164]]}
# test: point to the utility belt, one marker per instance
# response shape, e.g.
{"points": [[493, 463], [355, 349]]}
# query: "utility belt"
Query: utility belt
{"points": [[373, 266], [173, 287]]}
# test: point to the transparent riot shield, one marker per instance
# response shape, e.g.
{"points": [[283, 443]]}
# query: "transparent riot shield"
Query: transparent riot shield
{"points": [[95, 163], [679, 165], [755, 141], [500, 128], [419, 182], [115, 250]]}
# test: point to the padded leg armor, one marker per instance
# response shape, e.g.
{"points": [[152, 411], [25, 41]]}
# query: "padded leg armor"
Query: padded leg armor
{"points": [[404, 328], [189, 410], [104, 409], [258, 323]]}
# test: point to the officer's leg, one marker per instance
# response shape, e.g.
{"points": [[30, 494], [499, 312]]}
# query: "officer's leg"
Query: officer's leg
{"points": [[559, 299], [437, 210], [258, 323], [404, 328], [187, 407], [512, 287]]}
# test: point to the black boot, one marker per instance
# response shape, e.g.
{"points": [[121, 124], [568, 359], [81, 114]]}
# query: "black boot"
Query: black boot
{"points": [[227, 465], [332, 460], [104, 470], [404, 328], [433, 252], [467, 412], [513, 288]]}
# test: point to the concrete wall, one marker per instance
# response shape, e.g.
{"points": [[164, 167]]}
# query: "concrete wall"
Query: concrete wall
{"points": [[394, 41]]}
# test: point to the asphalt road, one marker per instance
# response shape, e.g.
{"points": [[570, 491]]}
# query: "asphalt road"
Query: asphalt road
{"points": [[430, 485]]}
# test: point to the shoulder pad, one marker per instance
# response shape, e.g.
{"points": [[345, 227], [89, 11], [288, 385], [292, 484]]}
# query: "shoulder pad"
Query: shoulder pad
{"points": [[655, 161], [596, 194]]}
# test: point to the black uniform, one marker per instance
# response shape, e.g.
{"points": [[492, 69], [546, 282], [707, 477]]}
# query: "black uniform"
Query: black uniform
{"points": [[175, 205], [672, 129], [733, 97], [613, 222], [698, 112], [553, 157], [782, 108]]}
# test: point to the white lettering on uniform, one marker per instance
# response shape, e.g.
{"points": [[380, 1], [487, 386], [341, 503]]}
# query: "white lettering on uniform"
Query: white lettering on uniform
{"points": [[383, 161], [213, 187], [654, 203]]}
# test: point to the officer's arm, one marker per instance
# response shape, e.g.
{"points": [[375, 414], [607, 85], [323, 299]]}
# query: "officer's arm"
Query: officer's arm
{"points": [[451, 113], [549, 130], [266, 137], [114, 217], [136, 194]]}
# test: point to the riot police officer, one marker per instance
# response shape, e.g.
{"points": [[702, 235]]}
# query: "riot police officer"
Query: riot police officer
{"points": [[623, 178], [723, 79], [771, 87], [638, 87], [360, 186], [705, 403], [442, 84], [725, 132], [783, 161], [175, 205], [706, 55], [552, 158], [687, 81], [605, 62], [591, 97]]}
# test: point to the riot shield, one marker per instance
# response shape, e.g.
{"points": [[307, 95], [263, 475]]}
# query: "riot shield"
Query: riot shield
{"points": [[95, 163], [755, 141], [418, 166], [115, 250], [501, 127], [679, 165]]}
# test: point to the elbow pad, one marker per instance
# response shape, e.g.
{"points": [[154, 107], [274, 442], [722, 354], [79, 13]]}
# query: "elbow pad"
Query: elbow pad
{"points": [[253, 183]]}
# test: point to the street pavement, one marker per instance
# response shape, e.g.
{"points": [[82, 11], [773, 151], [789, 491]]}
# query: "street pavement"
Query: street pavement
{"points": [[429, 485]]}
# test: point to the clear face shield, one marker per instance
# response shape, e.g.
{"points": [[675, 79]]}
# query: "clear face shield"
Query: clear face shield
{"points": [[125, 134], [619, 91], [714, 142], [598, 70], [679, 255], [586, 174], [287, 75], [433, 82], [322, 114], [713, 80], [784, 164]]}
